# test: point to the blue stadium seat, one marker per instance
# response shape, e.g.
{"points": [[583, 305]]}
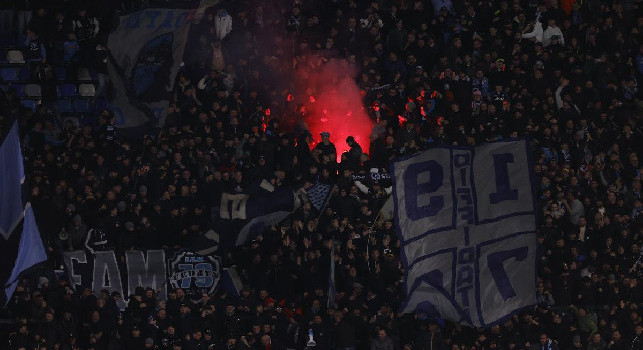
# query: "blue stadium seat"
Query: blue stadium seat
{"points": [[20, 89], [81, 106], [9, 74], [61, 73], [25, 74], [31, 104], [64, 106], [69, 90]]}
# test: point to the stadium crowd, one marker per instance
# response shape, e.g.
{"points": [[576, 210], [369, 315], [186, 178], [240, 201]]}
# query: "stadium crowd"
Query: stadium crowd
{"points": [[563, 74]]}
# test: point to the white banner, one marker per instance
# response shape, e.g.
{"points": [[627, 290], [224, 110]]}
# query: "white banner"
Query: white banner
{"points": [[466, 222]]}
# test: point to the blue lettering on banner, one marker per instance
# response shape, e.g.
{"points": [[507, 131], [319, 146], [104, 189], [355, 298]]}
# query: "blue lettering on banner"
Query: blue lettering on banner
{"points": [[411, 185], [195, 274], [497, 252], [496, 261], [504, 191], [466, 255]]}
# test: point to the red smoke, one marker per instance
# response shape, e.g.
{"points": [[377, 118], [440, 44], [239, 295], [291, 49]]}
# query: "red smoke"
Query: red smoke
{"points": [[333, 102]]}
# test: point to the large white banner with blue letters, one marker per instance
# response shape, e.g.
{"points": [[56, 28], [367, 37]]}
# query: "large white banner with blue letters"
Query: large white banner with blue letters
{"points": [[466, 222]]}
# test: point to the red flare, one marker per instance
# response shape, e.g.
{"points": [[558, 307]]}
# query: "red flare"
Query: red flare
{"points": [[289, 98], [267, 112], [311, 99]]}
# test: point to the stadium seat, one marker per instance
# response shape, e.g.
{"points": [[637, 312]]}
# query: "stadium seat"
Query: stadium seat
{"points": [[24, 74], [64, 106], [31, 104], [81, 106], [83, 75], [15, 57], [33, 90], [87, 90], [69, 90], [61, 73], [9, 74], [20, 89]]}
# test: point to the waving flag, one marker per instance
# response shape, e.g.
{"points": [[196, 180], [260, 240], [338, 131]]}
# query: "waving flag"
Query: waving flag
{"points": [[318, 194], [12, 176], [18, 251], [146, 50], [242, 216], [466, 223], [30, 252]]}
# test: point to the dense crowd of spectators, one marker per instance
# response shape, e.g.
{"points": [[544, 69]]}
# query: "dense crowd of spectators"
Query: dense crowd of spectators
{"points": [[562, 73]]}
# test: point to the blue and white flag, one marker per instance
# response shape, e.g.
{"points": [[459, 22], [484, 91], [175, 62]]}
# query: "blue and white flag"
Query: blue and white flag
{"points": [[30, 252], [466, 222], [242, 216], [318, 194], [12, 175], [146, 52], [247, 207]]}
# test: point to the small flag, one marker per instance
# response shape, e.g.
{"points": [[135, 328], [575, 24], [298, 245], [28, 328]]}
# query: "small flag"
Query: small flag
{"points": [[30, 251], [386, 213], [318, 194]]}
